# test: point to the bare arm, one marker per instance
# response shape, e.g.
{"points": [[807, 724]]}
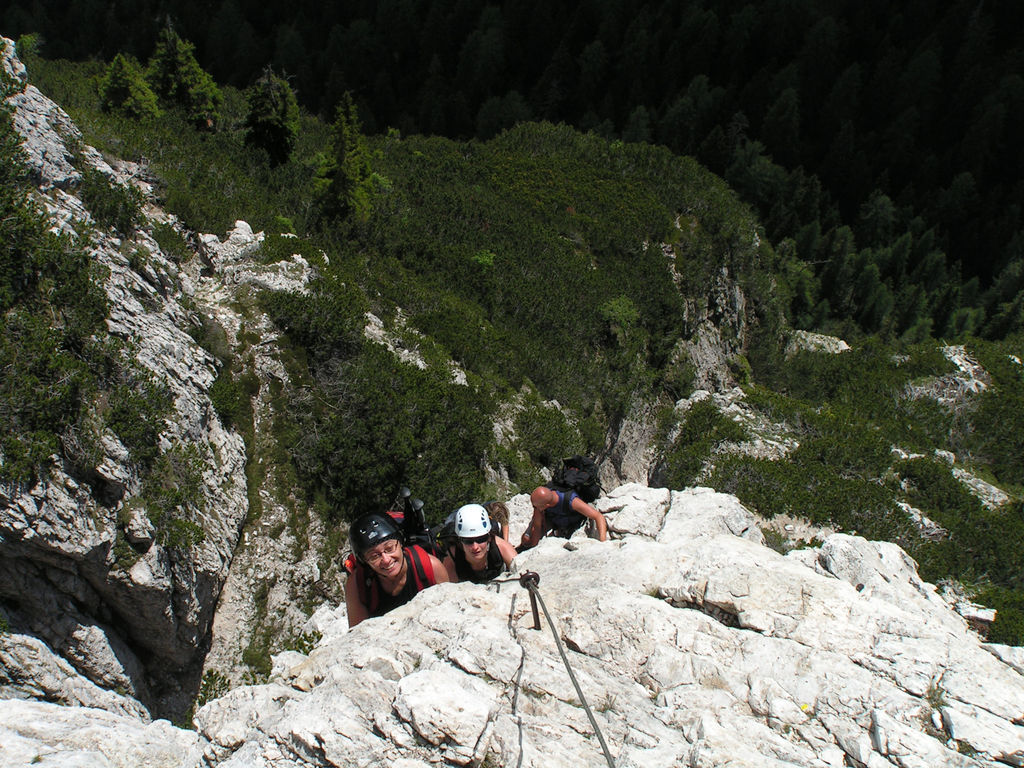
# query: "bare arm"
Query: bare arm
{"points": [[449, 567], [592, 513], [508, 552], [440, 570], [356, 610], [533, 532]]}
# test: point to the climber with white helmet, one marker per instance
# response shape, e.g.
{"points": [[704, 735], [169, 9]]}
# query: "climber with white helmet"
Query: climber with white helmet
{"points": [[479, 554], [384, 574]]}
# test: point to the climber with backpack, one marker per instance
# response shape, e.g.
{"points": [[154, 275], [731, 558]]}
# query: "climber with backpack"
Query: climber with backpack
{"points": [[384, 573], [479, 554], [562, 506]]}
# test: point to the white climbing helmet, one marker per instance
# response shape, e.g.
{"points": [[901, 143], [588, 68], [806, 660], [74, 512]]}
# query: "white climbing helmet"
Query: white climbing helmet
{"points": [[471, 521]]}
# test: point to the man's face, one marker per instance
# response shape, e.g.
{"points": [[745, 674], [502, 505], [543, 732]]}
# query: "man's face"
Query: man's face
{"points": [[543, 499]]}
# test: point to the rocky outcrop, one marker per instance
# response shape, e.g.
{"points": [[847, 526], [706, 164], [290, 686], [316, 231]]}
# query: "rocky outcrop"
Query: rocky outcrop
{"points": [[718, 337], [138, 624], [692, 643]]}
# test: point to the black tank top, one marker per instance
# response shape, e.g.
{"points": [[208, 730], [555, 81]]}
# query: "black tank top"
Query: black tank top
{"points": [[493, 567], [388, 602]]}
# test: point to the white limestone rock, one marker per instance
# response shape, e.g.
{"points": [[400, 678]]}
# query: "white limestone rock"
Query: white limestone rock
{"points": [[694, 646], [448, 708], [30, 669], [34, 733], [806, 341]]}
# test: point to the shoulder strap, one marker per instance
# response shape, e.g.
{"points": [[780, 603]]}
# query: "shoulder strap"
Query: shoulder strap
{"points": [[567, 497], [423, 570]]}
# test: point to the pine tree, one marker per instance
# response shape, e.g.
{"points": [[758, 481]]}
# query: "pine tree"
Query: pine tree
{"points": [[273, 119], [347, 171], [176, 76], [124, 89]]}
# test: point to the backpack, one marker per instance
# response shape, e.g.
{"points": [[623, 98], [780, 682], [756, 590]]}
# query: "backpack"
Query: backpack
{"points": [[407, 513], [579, 474]]}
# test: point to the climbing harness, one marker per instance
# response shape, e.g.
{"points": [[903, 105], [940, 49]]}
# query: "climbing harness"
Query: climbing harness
{"points": [[529, 581]]}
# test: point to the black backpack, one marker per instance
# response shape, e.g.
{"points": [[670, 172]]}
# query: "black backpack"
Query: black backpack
{"points": [[579, 474]]}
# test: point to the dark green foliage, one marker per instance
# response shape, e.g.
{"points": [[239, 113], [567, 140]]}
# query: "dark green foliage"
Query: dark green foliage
{"points": [[211, 336], [40, 393], [843, 444], [273, 120], [278, 247], [345, 176], [175, 75], [138, 406], [171, 490], [983, 544], [327, 323], [540, 227], [375, 424], [171, 242], [544, 432], [704, 429], [111, 204], [866, 384], [214, 685], [28, 46], [812, 491], [996, 433], [1008, 628], [232, 397], [124, 88]]}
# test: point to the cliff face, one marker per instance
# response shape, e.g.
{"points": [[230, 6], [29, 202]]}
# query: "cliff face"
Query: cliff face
{"points": [[692, 643], [138, 624]]}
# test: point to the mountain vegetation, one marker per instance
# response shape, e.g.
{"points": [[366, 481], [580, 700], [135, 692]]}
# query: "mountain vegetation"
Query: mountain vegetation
{"points": [[876, 144], [533, 263]]}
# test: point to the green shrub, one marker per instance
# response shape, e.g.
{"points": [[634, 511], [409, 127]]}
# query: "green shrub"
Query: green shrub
{"points": [[1008, 628], [214, 685], [232, 397], [138, 406], [111, 204], [543, 432], [996, 422], [704, 429], [124, 88], [170, 489], [171, 242]]}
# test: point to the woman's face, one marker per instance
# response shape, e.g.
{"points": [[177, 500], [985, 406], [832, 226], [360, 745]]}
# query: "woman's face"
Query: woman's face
{"points": [[386, 559], [476, 549]]}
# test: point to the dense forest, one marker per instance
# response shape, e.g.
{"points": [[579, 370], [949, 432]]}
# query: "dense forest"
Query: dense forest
{"points": [[876, 143]]}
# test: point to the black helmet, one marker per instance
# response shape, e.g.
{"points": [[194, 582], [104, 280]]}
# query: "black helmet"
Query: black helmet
{"points": [[372, 529]]}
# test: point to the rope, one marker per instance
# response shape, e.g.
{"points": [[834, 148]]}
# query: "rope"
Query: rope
{"points": [[519, 676], [530, 581]]}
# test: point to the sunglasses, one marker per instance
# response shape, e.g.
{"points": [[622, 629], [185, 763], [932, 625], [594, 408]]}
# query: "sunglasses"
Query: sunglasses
{"points": [[478, 540]]}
